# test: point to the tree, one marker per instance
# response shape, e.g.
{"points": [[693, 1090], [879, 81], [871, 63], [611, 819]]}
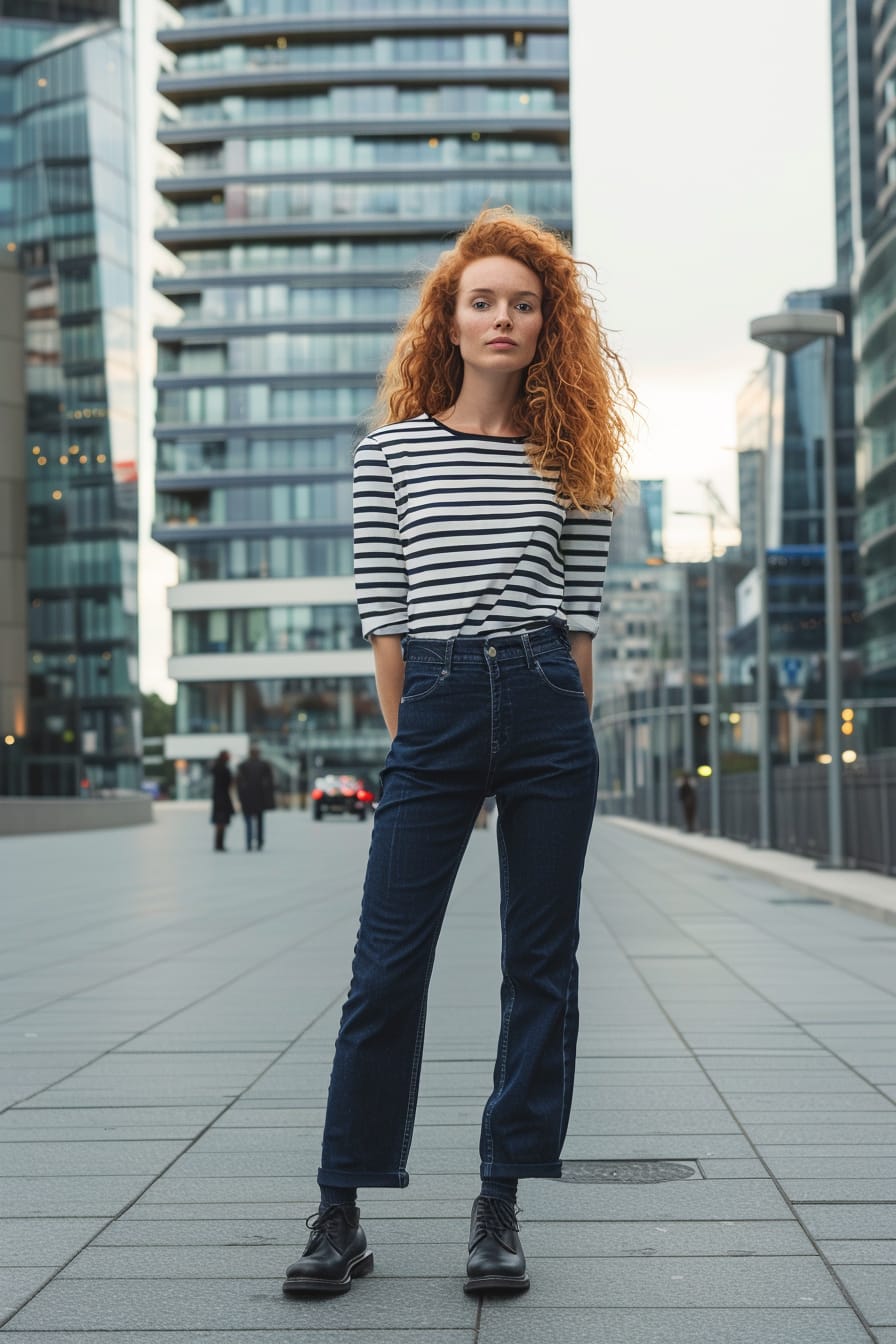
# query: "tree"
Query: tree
{"points": [[158, 719]]}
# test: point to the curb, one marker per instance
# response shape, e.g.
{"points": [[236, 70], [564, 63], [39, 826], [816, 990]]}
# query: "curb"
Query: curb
{"points": [[878, 901]]}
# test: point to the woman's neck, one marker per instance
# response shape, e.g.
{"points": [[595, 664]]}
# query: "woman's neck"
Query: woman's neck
{"points": [[484, 407]]}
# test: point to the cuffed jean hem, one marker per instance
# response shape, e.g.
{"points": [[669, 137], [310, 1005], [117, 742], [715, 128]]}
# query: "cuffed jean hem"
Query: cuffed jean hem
{"points": [[391, 1179], [511, 1171]]}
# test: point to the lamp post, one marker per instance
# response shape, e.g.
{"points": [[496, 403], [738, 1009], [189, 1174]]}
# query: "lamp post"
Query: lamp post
{"points": [[715, 745], [687, 679], [787, 333], [303, 749]]}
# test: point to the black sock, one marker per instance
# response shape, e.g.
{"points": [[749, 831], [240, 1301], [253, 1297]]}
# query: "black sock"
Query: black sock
{"points": [[338, 1194], [496, 1187]]}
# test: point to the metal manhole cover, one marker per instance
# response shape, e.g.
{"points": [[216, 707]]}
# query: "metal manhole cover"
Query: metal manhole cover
{"points": [[628, 1173]]}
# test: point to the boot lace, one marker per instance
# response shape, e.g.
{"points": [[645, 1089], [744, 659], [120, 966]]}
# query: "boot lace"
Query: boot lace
{"points": [[325, 1225], [494, 1218]]}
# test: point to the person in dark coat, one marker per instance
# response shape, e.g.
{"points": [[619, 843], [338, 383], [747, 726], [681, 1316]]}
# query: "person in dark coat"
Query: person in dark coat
{"points": [[255, 787], [222, 803], [687, 796]]}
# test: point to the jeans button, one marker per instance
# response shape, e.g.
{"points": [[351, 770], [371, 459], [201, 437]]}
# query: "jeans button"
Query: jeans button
{"points": [[492, 651]]}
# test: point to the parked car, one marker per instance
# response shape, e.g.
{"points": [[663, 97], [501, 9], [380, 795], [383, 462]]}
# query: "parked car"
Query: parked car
{"points": [[340, 794]]}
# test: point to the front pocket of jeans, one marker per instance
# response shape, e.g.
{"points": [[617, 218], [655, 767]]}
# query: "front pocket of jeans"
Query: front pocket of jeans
{"points": [[421, 680], [562, 675]]}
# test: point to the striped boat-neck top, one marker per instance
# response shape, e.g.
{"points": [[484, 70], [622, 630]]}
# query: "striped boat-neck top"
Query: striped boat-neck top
{"points": [[456, 534]]}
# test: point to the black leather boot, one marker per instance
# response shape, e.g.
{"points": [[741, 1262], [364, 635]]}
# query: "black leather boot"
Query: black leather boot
{"points": [[496, 1262], [336, 1253]]}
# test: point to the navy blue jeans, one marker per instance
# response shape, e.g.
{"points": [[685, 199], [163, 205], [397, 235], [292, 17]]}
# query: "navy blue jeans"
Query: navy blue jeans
{"points": [[504, 716]]}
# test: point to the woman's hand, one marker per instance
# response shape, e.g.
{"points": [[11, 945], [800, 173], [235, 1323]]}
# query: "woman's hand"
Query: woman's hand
{"points": [[580, 647], [389, 670]]}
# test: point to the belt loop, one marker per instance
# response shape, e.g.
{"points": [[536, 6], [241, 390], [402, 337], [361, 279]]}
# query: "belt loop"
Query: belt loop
{"points": [[527, 647], [449, 651]]}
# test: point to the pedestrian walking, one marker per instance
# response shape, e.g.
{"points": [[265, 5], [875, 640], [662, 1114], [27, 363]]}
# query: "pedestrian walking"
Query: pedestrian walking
{"points": [[255, 790], [222, 803], [481, 536], [687, 796]]}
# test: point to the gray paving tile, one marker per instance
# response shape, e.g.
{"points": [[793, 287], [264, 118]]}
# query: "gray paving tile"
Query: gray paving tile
{"points": [[322, 1329], [41, 1241], [17, 1285], [849, 1220], [854, 1132], [856, 1190], [237, 1305], [549, 1239], [860, 1252], [88, 1159], [98, 1119], [733, 1168], [507, 1323], [68, 1196], [210, 1024], [873, 1288], [840, 1166]]}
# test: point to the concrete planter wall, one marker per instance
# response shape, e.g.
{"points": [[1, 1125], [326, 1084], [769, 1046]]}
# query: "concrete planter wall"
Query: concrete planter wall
{"points": [[34, 816]]}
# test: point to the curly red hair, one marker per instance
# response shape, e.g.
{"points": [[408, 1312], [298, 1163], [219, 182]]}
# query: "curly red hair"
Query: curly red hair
{"points": [[570, 406]]}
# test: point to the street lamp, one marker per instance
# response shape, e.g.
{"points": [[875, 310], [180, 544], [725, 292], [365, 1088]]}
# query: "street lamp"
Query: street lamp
{"points": [[687, 688], [787, 333], [715, 748]]}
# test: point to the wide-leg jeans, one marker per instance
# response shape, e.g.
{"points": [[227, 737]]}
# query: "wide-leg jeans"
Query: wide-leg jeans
{"points": [[504, 716]]}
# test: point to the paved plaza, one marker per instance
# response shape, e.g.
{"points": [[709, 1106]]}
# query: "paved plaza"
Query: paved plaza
{"points": [[168, 1017]]}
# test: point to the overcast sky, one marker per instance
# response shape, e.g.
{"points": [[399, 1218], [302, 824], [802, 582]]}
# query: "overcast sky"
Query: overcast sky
{"points": [[704, 193]]}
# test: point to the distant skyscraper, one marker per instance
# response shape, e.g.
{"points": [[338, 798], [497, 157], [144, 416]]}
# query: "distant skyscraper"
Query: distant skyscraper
{"points": [[781, 412], [638, 527], [653, 497], [876, 316], [320, 155], [66, 118], [852, 90]]}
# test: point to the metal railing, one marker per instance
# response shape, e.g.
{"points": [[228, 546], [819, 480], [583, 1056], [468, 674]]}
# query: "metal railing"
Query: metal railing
{"points": [[799, 812]]}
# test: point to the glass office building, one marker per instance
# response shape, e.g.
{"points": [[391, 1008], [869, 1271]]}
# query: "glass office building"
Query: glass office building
{"points": [[782, 414], [66, 210], [318, 159], [852, 102], [877, 378]]}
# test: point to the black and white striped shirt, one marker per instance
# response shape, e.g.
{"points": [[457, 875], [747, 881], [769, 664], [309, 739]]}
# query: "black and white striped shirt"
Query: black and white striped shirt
{"points": [[456, 534]]}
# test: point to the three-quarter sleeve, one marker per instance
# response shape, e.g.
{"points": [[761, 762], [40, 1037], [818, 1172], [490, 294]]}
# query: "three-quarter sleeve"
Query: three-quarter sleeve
{"points": [[381, 581], [584, 547]]}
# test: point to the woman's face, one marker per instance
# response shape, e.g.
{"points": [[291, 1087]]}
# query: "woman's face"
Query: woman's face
{"points": [[497, 315]]}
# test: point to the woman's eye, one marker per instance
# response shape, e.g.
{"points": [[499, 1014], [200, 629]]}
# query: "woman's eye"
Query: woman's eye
{"points": [[479, 304]]}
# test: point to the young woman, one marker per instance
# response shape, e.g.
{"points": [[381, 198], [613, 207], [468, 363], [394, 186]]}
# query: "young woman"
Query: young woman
{"points": [[481, 535]]}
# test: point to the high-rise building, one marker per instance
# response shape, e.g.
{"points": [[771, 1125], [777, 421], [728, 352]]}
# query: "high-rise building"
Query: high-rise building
{"points": [[320, 157], [876, 315], [852, 96], [782, 414], [13, 573], [66, 129]]}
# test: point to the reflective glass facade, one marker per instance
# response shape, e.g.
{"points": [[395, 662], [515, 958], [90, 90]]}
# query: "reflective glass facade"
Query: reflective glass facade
{"points": [[313, 168], [876, 463], [852, 96], [73, 230], [782, 413]]}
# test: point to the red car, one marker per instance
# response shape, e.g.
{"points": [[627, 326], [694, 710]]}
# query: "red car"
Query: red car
{"points": [[340, 794]]}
